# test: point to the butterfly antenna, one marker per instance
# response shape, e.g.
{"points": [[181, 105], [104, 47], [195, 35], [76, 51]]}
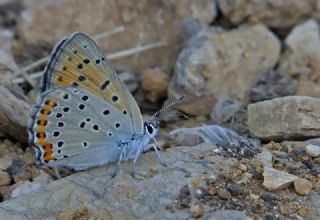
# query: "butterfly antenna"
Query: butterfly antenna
{"points": [[168, 106], [174, 116]]}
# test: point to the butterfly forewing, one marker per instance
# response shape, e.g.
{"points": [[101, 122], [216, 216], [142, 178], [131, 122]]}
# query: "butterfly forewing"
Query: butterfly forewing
{"points": [[77, 61], [74, 128]]}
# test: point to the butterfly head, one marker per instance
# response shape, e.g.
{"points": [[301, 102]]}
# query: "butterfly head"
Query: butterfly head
{"points": [[151, 128]]}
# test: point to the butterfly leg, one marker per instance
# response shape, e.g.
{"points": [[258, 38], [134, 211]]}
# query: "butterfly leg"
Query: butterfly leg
{"points": [[155, 147], [56, 172], [133, 168], [118, 167], [157, 143]]}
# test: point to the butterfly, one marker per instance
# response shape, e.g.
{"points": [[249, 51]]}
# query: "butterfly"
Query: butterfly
{"points": [[85, 116]]}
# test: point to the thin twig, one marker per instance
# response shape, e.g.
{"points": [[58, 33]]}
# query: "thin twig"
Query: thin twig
{"points": [[44, 60], [31, 76], [135, 50], [108, 33], [112, 56]]}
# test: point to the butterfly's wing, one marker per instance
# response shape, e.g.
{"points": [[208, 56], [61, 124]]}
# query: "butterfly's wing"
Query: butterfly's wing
{"points": [[71, 127], [78, 61]]}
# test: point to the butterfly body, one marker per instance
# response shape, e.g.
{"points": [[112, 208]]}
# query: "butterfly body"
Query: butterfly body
{"points": [[85, 116]]}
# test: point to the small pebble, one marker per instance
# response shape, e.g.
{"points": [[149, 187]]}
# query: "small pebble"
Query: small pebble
{"points": [[198, 192], [196, 211], [5, 162], [254, 196], [313, 150], [246, 177], [303, 212], [153, 170], [223, 194], [302, 186], [4, 178], [20, 171], [243, 167]]}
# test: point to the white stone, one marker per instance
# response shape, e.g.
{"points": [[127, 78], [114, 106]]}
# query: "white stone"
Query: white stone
{"points": [[313, 150]]}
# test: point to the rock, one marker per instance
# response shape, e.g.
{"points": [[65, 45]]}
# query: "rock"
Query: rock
{"points": [[14, 114], [144, 23], [301, 58], [196, 211], [272, 85], [235, 189], [4, 193], [184, 197], [5, 162], [209, 59], [276, 179], [246, 178], [19, 171], [224, 194], [80, 213], [4, 178], [295, 118], [121, 197], [302, 186], [314, 212], [275, 14], [243, 167], [155, 84], [229, 214], [265, 157], [313, 150], [26, 187], [29, 156]]}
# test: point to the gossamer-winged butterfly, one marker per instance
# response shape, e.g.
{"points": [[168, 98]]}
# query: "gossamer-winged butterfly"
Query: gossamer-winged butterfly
{"points": [[85, 116]]}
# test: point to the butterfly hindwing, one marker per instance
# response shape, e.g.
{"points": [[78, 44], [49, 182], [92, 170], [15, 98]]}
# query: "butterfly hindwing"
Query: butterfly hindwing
{"points": [[77, 61], [73, 128]]}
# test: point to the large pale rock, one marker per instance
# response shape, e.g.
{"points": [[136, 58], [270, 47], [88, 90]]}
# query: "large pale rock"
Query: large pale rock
{"points": [[276, 14], [301, 58], [285, 118], [217, 63], [145, 22], [95, 194]]}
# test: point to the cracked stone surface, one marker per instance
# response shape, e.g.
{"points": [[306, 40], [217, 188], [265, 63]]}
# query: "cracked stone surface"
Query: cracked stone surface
{"points": [[284, 118], [95, 194]]}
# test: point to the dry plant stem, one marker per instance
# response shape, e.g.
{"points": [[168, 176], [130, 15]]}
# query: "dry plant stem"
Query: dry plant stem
{"points": [[113, 56], [14, 114], [44, 60], [135, 50], [109, 33], [31, 76]]}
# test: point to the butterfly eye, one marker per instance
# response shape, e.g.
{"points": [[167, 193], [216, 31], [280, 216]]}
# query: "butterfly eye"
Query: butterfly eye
{"points": [[150, 129]]}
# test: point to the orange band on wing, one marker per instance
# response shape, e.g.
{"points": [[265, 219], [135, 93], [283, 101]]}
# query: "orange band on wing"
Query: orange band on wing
{"points": [[42, 120]]}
